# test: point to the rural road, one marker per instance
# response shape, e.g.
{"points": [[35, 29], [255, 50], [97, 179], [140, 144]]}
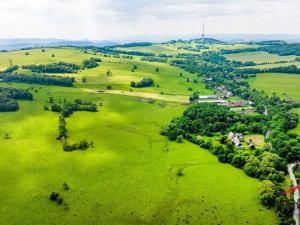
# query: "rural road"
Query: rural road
{"points": [[266, 113], [268, 133], [296, 192]]}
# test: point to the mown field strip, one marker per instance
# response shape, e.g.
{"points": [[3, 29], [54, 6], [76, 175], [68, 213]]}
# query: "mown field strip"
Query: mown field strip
{"points": [[164, 97]]}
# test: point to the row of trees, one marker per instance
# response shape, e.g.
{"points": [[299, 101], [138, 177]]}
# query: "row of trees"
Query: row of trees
{"points": [[38, 79], [11, 69], [16, 93], [273, 47], [154, 59], [114, 51], [60, 67], [68, 108], [82, 145], [65, 110]]}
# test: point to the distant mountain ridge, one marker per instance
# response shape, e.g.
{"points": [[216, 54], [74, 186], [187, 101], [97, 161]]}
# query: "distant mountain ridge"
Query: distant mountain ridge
{"points": [[20, 43]]}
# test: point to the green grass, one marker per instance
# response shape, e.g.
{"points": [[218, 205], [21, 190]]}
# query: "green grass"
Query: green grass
{"points": [[36, 56], [258, 140], [259, 57], [167, 78], [129, 177], [170, 49], [297, 129], [274, 65], [175, 48], [284, 85]]}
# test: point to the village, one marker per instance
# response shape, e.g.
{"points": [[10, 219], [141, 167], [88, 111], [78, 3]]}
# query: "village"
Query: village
{"points": [[226, 98]]}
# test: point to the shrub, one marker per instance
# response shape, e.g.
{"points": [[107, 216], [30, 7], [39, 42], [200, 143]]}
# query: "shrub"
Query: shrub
{"points": [[54, 196], [146, 82]]}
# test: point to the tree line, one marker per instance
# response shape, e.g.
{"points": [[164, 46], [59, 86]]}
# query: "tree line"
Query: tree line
{"points": [[154, 59], [8, 97], [60, 67], [63, 67], [38, 79], [273, 47], [65, 110]]}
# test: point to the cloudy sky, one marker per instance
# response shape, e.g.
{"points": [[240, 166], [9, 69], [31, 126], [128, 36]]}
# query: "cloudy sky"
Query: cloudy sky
{"points": [[109, 19]]}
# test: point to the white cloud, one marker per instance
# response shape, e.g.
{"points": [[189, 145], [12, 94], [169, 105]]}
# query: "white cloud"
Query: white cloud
{"points": [[103, 19]]}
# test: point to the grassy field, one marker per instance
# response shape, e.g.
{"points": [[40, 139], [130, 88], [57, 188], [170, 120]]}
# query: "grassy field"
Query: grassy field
{"points": [[176, 48], [167, 78], [297, 129], [170, 49], [257, 139], [259, 57], [129, 177], [36, 56], [284, 85]]}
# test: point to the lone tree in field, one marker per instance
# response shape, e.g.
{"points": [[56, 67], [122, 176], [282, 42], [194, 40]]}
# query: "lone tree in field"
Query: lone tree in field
{"points": [[84, 80], [157, 70], [6, 135], [53, 196], [108, 73]]}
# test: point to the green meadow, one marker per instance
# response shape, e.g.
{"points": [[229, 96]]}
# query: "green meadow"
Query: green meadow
{"points": [[180, 47], [130, 176], [284, 85], [258, 57], [168, 78], [170, 49]]}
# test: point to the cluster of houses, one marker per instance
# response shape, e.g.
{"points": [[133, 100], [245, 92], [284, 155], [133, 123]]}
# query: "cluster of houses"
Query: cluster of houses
{"points": [[221, 101], [236, 103], [236, 139], [211, 98], [223, 92]]}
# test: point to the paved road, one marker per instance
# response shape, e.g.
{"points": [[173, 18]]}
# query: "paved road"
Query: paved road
{"points": [[296, 192]]}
